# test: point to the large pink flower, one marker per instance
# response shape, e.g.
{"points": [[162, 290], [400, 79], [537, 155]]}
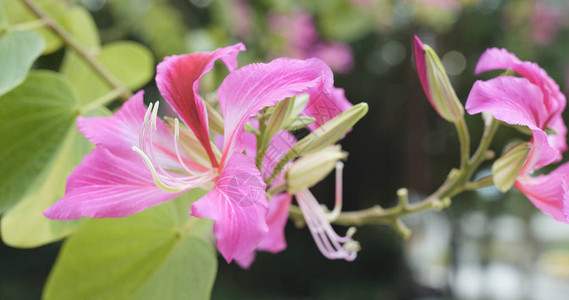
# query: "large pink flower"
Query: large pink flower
{"points": [[535, 101], [115, 181]]}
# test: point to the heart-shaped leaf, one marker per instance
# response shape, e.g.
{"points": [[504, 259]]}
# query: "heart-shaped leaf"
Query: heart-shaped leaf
{"points": [[24, 225], [35, 119], [160, 253], [18, 51]]}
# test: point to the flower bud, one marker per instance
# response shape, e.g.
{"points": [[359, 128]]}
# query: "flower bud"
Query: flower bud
{"points": [[506, 168], [331, 131], [436, 84], [312, 168]]}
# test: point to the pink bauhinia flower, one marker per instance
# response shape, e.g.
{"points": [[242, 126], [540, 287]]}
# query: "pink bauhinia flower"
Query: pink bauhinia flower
{"points": [[535, 101], [115, 181]]}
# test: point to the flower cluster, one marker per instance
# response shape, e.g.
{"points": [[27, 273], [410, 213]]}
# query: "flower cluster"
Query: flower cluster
{"points": [[142, 160]]}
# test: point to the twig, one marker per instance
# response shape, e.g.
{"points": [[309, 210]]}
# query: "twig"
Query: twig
{"points": [[69, 40]]}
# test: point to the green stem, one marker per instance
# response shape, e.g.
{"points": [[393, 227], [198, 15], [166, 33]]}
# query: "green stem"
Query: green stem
{"points": [[102, 101], [457, 181], [464, 138], [260, 140], [71, 42]]}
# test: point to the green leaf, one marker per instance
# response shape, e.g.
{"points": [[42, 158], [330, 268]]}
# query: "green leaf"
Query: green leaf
{"points": [[3, 20], [18, 13], [24, 225], [80, 23], [34, 121], [160, 253], [18, 51], [131, 63], [344, 22]]}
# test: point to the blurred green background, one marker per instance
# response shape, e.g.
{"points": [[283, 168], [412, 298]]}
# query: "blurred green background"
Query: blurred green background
{"points": [[487, 245]]}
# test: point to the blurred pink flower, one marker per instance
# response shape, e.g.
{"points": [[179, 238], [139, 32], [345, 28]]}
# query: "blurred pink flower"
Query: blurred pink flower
{"points": [[546, 20], [301, 40], [242, 18]]}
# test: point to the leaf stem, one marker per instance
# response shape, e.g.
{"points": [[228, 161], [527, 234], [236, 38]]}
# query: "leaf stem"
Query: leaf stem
{"points": [[101, 101], [69, 40]]}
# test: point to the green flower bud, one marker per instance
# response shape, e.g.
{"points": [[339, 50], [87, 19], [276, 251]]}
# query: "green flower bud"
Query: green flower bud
{"points": [[436, 83], [312, 168], [506, 168]]}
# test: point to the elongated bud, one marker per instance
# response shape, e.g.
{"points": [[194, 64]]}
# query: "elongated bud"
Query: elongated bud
{"points": [[299, 104], [312, 168], [435, 82], [278, 120], [506, 168], [331, 131]]}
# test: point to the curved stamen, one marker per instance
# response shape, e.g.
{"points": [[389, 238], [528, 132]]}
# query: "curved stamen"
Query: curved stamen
{"points": [[335, 213], [150, 142], [163, 179], [176, 146], [173, 187], [144, 126], [330, 244]]}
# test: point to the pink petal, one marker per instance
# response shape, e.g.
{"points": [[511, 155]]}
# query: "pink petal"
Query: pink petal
{"points": [[421, 65], [558, 140], [120, 132], [107, 186], [325, 103], [178, 79], [509, 99], [494, 59], [277, 216], [247, 261], [548, 192], [246, 91], [238, 205], [541, 153]]}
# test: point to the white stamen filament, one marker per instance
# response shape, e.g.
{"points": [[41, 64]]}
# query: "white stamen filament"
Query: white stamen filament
{"points": [[163, 179], [147, 147], [335, 213], [176, 146], [330, 244], [144, 122], [190, 182]]}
